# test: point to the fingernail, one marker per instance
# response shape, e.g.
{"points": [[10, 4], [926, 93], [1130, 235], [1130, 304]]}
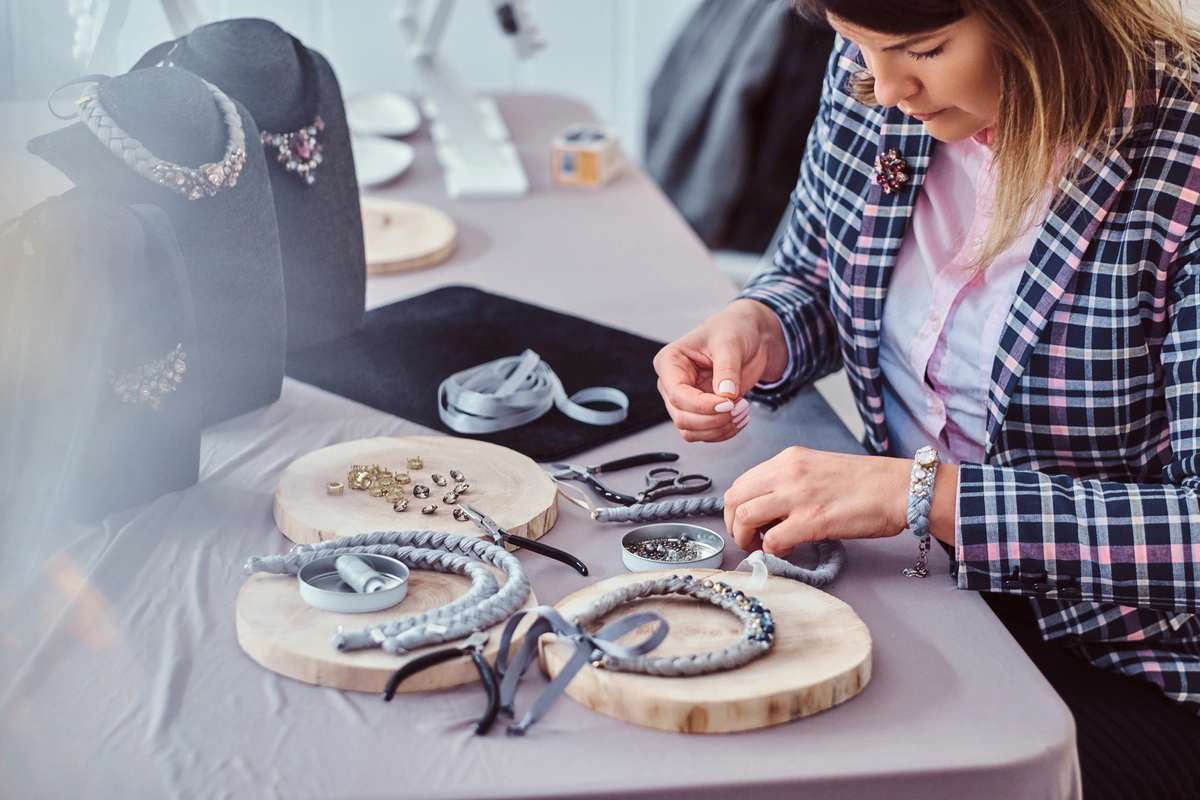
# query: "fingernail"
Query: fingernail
{"points": [[745, 421], [738, 418], [727, 387], [723, 407], [741, 405]]}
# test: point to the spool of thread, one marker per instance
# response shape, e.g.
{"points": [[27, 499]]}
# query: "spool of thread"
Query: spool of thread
{"points": [[359, 575]]}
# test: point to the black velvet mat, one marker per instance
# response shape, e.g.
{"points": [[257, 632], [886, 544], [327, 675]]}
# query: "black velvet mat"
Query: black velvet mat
{"points": [[406, 350]]}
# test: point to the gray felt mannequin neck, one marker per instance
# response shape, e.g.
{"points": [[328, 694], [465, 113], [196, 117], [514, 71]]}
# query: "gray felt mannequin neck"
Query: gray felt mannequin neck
{"points": [[257, 62], [170, 111]]}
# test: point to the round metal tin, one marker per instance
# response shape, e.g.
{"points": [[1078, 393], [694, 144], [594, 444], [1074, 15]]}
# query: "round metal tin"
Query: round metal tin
{"points": [[323, 588], [705, 540]]}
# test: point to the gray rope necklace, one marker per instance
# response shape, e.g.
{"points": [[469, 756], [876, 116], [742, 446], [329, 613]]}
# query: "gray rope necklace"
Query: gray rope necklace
{"points": [[758, 636], [485, 605], [831, 554], [193, 183]]}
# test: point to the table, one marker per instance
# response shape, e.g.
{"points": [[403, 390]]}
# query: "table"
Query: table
{"points": [[120, 674]]}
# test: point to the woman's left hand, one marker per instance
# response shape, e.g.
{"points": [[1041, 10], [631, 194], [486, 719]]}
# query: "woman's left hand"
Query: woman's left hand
{"points": [[813, 495]]}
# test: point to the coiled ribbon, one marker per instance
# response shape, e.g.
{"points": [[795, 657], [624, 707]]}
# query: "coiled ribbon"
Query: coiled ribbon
{"points": [[516, 390]]}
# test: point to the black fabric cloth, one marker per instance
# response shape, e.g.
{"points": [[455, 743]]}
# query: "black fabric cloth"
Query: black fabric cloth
{"points": [[230, 242], [91, 289], [406, 350], [1134, 743], [729, 114], [286, 86]]}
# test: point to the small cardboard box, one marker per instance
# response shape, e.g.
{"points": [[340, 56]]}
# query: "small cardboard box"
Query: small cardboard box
{"points": [[586, 155]]}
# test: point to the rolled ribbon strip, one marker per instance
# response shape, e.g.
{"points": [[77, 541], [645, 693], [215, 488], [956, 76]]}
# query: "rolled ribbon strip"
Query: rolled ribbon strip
{"points": [[359, 575], [588, 647], [513, 391]]}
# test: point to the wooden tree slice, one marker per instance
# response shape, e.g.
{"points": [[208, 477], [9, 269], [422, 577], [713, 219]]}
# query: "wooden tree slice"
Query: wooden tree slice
{"points": [[401, 237], [507, 486], [821, 657], [280, 631]]}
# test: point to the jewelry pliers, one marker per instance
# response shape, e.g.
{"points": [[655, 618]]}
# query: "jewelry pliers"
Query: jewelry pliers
{"points": [[473, 646], [502, 537]]}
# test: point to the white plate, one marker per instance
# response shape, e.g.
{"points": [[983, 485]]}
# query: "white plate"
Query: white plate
{"points": [[378, 160], [381, 114]]}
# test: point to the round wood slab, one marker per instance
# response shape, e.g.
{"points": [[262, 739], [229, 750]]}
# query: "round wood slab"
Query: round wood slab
{"points": [[401, 237], [507, 486], [821, 657], [280, 631]]}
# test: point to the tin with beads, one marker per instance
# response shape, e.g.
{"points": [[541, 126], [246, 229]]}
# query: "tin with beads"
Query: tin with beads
{"points": [[671, 545]]}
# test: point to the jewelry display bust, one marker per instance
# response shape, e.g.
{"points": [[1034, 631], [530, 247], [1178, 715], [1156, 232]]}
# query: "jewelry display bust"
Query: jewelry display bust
{"points": [[294, 97], [229, 239]]}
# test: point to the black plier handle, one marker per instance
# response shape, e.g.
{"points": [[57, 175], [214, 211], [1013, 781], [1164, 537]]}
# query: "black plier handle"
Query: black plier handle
{"points": [[473, 646]]}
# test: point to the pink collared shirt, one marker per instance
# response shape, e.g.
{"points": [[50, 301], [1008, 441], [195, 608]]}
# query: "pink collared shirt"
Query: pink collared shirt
{"points": [[942, 323]]}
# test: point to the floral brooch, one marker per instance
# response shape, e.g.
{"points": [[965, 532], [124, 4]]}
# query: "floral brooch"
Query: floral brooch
{"points": [[891, 171]]}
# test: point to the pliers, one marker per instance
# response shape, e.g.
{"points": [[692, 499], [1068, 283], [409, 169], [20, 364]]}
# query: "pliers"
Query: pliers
{"points": [[473, 646], [501, 536]]}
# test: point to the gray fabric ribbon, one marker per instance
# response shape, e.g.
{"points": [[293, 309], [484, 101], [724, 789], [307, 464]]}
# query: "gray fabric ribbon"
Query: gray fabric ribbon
{"points": [[516, 390], [588, 647]]}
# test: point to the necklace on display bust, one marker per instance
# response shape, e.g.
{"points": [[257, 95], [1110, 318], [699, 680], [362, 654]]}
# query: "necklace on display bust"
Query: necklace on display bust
{"points": [[193, 183], [298, 151]]}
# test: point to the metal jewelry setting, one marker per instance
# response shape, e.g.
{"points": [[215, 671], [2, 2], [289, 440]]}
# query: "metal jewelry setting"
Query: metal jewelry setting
{"points": [[299, 152], [149, 383]]}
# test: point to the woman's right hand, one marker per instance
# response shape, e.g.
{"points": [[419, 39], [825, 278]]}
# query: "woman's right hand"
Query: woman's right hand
{"points": [[703, 375]]}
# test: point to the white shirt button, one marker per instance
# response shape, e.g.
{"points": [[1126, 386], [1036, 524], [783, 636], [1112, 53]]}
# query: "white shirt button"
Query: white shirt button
{"points": [[935, 323], [978, 243]]}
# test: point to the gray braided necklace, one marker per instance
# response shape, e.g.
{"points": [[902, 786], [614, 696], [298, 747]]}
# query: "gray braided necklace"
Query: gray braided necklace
{"points": [[485, 605], [193, 183], [600, 648]]}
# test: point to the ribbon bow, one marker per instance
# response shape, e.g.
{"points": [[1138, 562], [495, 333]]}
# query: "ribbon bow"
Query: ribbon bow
{"points": [[588, 647]]}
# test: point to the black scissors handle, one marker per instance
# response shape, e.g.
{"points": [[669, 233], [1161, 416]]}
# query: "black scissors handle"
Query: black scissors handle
{"points": [[634, 461], [534, 546], [487, 675]]}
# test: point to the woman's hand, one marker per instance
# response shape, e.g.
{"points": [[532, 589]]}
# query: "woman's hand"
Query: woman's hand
{"points": [[703, 375], [804, 495]]}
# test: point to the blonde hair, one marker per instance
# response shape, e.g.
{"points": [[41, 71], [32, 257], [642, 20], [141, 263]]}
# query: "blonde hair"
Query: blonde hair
{"points": [[1067, 74]]}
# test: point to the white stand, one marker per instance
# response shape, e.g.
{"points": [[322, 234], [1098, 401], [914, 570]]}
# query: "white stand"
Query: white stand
{"points": [[470, 138]]}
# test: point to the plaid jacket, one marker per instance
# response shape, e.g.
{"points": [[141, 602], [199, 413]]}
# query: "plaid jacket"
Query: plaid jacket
{"points": [[1087, 501]]}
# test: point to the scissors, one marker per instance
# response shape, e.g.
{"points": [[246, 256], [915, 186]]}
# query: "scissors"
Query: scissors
{"points": [[660, 481], [502, 537]]}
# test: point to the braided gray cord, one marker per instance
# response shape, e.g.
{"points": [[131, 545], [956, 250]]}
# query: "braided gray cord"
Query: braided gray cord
{"points": [[135, 155], [485, 605], [746, 649], [672, 509], [831, 555]]}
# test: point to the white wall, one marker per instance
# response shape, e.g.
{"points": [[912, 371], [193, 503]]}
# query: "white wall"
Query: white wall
{"points": [[604, 52]]}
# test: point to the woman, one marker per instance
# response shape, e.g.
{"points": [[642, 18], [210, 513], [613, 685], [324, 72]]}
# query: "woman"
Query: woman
{"points": [[995, 235]]}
